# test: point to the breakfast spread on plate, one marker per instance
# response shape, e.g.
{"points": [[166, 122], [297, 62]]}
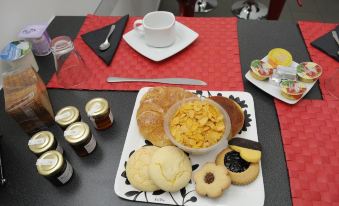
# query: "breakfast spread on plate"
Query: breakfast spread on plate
{"points": [[234, 111], [169, 115], [284, 75], [153, 107], [211, 180]]}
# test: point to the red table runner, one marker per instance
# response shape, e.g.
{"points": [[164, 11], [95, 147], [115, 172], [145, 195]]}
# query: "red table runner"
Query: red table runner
{"points": [[311, 31], [213, 58], [310, 131]]}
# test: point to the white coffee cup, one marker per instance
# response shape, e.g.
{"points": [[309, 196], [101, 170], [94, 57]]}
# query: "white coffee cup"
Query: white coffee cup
{"points": [[158, 28]]}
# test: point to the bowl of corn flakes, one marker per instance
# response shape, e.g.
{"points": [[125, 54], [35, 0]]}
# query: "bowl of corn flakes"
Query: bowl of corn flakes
{"points": [[197, 125]]}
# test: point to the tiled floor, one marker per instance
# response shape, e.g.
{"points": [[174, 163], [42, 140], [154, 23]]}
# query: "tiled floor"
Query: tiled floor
{"points": [[312, 10]]}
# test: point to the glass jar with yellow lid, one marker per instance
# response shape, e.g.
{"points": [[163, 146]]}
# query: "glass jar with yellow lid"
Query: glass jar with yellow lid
{"points": [[99, 112], [54, 167], [42, 142], [67, 116], [79, 136]]}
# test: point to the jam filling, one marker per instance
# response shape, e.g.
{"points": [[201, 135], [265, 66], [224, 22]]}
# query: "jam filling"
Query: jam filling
{"points": [[209, 178], [235, 163]]}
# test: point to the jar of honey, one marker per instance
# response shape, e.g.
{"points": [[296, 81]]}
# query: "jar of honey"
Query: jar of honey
{"points": [[99, 112], [42, 142], [54, 167], [67, 116], [79, 136]]}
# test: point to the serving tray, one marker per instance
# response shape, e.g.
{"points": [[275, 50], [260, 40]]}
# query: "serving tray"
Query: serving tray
{"points": [[275, 90], [251, 194]]}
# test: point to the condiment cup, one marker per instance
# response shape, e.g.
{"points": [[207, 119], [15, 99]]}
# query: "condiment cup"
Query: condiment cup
{"points": [[171, 111]]}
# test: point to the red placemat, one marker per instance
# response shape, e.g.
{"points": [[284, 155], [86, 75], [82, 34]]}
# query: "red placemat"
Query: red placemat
{"points": [[310, 136], [213, 58], [310, 32]]}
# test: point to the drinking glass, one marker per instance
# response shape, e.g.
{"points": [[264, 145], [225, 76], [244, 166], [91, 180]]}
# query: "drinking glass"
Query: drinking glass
{"points": [[70, 68], [332, 84]]}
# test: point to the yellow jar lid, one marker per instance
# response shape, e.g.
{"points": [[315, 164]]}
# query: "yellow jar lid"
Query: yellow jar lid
{"points": [[76, 133], [67, 115], [279, 56], [97, 107], [49, 163], [41, 142]]}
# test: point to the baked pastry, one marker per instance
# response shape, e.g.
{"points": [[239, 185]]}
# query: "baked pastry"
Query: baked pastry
{"points": [[249, 150], [211, 180], [240, 171], [261, 70], [292, 89], [137, 169], [153, 107], [279, 56], [309, 72], [170, 169], [234, 111]]}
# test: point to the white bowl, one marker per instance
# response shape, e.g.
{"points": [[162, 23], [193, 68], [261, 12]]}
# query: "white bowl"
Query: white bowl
{"points": [[170, 112]]}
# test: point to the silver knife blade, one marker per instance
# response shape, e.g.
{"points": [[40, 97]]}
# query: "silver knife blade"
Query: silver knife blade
{"points": [[184, 81], [335, 36]]}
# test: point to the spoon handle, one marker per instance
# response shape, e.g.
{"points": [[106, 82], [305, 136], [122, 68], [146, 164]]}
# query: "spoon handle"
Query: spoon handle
{"points": [[110, 32]]}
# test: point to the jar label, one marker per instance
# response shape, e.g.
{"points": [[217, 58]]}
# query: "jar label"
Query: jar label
{"points": [[62, 116], [91, 145], [111, 116], [36, 141], [46, 162], [59, 149], [64, 177]]}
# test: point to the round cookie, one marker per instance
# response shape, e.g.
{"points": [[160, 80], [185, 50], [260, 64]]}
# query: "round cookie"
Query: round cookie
{"points": [[234, 111], [137, 169], [240, 171], [249, 150], [170, 169], [211, 180]]}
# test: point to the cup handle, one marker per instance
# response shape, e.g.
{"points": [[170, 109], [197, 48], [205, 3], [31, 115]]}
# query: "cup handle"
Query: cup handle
{"points": [[138, 28]]}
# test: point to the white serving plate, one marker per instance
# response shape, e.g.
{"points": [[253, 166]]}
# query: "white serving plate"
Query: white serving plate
{"points": [[184, 37], [275, 90], [252, 194]]}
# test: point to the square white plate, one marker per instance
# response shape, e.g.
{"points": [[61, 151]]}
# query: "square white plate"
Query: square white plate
{"points": [[275, 90], [252, 194], [184, 37]]}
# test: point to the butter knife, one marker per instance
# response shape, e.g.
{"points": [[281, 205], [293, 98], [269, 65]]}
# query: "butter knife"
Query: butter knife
{"points": [[184, 81], [335, 36]]}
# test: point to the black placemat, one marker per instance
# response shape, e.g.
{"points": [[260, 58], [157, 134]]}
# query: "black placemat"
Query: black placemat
{"points": [[327, 44]]}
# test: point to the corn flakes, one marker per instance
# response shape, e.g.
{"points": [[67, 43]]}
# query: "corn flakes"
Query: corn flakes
{"points": [[197, 124]]}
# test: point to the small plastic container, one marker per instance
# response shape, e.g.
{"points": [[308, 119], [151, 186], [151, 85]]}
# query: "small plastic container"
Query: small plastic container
{"points": [[67, 116], [79, 136], [54, 167], [175, 107], [42, 142]]}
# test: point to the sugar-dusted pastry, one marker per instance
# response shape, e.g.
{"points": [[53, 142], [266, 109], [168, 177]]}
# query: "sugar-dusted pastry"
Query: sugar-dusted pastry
{"points": [[279, 56], [309, 71], [234, 111], [153, 106], [170, 169], [292, 89], [249, 150], [137, 169], [261, 70], [211, 180], [240, 171]]}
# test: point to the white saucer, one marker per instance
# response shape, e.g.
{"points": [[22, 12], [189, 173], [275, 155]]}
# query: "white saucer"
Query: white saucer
{"points": [[184, 37]]}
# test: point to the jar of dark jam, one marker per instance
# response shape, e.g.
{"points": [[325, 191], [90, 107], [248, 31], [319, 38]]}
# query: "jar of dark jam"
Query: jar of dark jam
{"points": [[99, 112], [79, 136], [42, 142], [67, 116], [54, 167]]}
